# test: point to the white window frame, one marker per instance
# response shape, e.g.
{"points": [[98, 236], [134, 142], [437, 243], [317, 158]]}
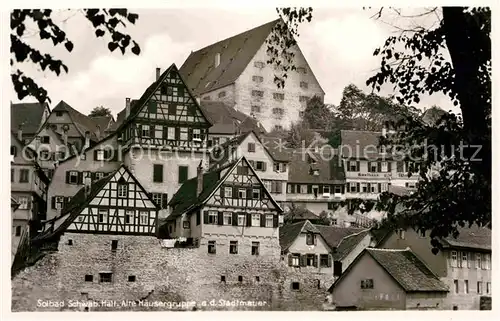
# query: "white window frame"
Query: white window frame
{"points": [[255, 192], [454, 259], [466, 286], [196, 134], [99, 175], [228, 192], [120, 190], [105, 214], [59, 202], [242, 193], [326, 189], [130, 215], [479, 287], [145, 131], [215, 215], [255, 219], [241, 219], [227, 218], [183, 133], [295, 260], [479, 260], [144, 217], [23, 202], [171, 133], [269, 220], [100, 155]]}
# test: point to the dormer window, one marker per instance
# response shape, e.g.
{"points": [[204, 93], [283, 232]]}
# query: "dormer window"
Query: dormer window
{"points": [[310, 239], [58, 113]]}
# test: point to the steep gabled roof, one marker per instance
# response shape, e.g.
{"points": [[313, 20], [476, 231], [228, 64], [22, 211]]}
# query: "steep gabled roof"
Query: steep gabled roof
{"points": [[301, 214], [348, 243], [103, 122], [82, 122], [404, 267], [227, 120], [333, 235], [235, 54], [186, 200], [290, 232], [276, 146], [137, 106], [29, 115]]}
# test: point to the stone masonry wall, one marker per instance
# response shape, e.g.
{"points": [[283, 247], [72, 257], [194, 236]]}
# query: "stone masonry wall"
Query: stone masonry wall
{"points": [[161, 274]]}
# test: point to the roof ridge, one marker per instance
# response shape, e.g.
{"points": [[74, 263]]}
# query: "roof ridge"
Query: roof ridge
{"points": [[408, 249]]}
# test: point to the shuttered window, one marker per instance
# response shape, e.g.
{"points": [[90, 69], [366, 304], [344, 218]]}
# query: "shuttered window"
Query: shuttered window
{"points": [[157, 173], [183, 174]]}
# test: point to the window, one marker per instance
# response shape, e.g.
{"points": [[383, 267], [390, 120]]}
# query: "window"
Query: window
{"points": [[18, 231], [228, 218], [122, 190], [367, 284], [464, 260], [222, 94], [255, 109], [294, 259], [12, 174], [129, 217], [323, 260], [278, 127], [295, 286], [310, 239], [70, 242], [257, 93], [171, 133], [303, 99], [251, 147], [241, 219], [255, 219], [488, 287], [24, 176], [466, 286], [99, 155], [454, 262], [184, 133], [302, 70], [257, 279], [256, 194], [89, 278], [240, 278], [257, 79], [401, 234], [258, 64], [183, 174], [45, 140], [186, 225], [278, 111], [455, 283], [223, 278], [478, 260], [278, 96], [196, 134], [255, 248], [211, 247], [486, 261], [131, 278], [105, 277], [99, 175], [260, 166], [352, 166], [304, 85], [103, 215], [212, 217], [233, 247], [372, 167], [242, 193], [228, 192], [144, 218], [145, 131], [480, 287], [269, 220]]}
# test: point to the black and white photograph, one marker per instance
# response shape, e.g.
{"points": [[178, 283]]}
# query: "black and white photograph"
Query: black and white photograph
{"points": [[261, 158]]}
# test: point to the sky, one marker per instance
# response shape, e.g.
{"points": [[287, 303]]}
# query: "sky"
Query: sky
{"points": [[338, 44]]}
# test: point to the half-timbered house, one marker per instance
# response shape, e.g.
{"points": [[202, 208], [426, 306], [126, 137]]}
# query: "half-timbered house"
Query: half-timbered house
{"points": [[229, 206]]}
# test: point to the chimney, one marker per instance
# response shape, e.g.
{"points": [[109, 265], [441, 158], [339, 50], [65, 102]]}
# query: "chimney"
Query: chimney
{"points": [[199, 176], [20, 132], [158, 73], [217, 60], [88, 185], [87, 140], [127, 107]]}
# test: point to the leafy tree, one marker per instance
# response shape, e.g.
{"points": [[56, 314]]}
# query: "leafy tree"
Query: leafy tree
{"points": [[317, 114], [455, 184], [100, 111], [300, 135], [105, 22]]}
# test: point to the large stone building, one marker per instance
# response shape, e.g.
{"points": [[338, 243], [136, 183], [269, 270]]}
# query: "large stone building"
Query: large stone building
{"points": [[235, 71], [463, 264]]}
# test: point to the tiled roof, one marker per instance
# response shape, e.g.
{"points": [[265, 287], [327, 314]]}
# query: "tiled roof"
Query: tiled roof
{"points": [[408, 270], [301, 214], [348, 243], [290, 232], [103, 122], [330, 169], [221, 156], [474, 237], [82, 122], [235, 54], [227, 120], [276, 146], [362, 144], [28, 114], [333, 235]]}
